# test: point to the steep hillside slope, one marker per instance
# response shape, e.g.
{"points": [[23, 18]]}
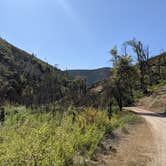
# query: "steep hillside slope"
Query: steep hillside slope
{"points": [[157, 101], [159, 59], [92, 76], [157, 66], [26, 79]]}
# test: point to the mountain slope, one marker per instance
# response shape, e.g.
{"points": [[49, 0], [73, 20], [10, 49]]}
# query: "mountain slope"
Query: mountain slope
{"points": [[92, 76], [157, 100], [26, 79]]}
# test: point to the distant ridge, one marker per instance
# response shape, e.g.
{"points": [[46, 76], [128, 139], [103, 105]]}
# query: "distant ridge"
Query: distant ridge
{"points": [[92, 76]]}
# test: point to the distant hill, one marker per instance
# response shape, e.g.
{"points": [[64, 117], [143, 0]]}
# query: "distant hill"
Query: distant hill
{"points": [[157, 66], [26, 79], [92, 76]]}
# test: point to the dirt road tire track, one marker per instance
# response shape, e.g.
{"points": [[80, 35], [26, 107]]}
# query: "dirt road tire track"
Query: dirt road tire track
{"points": [[158, 126]]}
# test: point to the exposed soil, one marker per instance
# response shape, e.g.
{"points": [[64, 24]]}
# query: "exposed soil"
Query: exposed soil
{"points": [[132, 146], [155, 102], [157, 123]]}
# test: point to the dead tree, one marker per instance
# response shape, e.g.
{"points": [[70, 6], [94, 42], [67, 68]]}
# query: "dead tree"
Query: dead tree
{"points": [[142, 53]]}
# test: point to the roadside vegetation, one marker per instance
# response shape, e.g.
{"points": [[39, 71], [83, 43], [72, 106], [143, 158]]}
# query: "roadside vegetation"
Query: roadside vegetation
{"points": [[30, 137]]}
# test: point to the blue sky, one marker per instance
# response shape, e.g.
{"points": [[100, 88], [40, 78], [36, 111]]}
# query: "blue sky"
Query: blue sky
{"points": [[77, 34]]}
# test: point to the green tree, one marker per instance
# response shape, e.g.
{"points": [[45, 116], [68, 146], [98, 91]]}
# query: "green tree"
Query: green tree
{"points": [[122, 79]]}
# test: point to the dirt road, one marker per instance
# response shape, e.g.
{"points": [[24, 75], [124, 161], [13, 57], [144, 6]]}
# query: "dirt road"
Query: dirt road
{"points": [[158, 126]]}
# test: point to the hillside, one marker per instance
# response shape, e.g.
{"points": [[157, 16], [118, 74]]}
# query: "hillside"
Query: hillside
{"points": [[155, 74], [27, 80], [92, 76], [157, 64], [157, 100], [159, 59], [158, 67]]}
